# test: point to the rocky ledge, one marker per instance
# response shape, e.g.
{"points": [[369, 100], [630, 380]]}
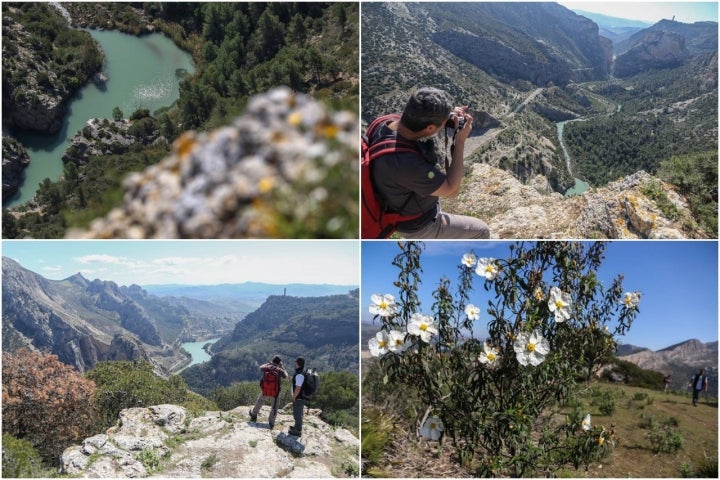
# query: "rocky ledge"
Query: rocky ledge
{"points": [[101, 136], [626, 209], [286, 160], [14, 161], [165, 441]]}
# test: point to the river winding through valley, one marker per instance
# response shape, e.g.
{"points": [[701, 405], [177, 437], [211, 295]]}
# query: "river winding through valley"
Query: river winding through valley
{"points": [[580, 186], [143, 73]]}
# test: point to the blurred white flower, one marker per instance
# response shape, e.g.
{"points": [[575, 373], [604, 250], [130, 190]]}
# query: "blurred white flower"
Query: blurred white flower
{"points": [[383, 305], [586, 423], [530, 348], [631, 299], [489, 356], [472, 312], [469, 260], [486, 267], [422, 325], [397, 342], [432, 428], [559, 303], [379, 344]]}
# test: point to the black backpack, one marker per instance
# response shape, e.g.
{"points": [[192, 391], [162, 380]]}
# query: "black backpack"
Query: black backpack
{"points": [[311, 384]]}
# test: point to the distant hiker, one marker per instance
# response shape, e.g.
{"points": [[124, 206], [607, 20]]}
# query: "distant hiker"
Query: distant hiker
{"points": [[699, 383], [408, 181], [298, 398], [272, 375], [666, 381]]}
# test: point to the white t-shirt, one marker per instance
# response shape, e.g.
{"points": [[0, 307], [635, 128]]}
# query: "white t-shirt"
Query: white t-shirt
{"points": [[299, 379]]}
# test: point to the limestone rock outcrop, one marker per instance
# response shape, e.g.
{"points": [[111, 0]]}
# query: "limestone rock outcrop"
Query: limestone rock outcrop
{"points": [[166, 441], [655, 49], [287, 160], [619, 210]]}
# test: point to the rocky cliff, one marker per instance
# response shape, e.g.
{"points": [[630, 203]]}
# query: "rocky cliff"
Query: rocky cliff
{"points": [[106, 137], [81, 322], [681, 361], [622, 209], [14, 161], [652, 50], [165, 441], [38, 73]]}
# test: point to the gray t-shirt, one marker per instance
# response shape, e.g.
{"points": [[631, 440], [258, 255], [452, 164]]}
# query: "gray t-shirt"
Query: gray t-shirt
{"points": [[400, 176]]}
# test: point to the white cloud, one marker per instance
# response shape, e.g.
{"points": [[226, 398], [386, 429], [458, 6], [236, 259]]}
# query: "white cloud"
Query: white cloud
{"points": [[99, 258], [177, 260]]}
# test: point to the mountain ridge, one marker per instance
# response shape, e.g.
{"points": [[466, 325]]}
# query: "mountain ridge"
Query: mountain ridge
{"points": [[322, 329], [84, 322], [681, 361]]}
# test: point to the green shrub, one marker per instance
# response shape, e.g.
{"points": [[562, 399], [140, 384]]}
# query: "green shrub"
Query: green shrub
{"points": [[491, 409], [123, 385], [20, 459], [376, 436], [666, 440]]}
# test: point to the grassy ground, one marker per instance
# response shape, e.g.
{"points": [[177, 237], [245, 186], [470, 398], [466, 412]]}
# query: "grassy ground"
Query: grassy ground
{"points": [[633, 455], [405, 455]]}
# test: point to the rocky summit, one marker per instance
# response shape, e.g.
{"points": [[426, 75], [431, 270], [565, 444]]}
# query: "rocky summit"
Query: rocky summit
{"points": [[269, 167], [166, 441], [628, 208]]}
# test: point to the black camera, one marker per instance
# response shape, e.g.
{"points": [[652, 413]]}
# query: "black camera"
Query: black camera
{"points": [[451, 121]]}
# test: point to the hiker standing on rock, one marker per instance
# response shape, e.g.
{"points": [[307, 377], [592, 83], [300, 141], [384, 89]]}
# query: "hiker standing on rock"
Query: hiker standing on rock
{"points": [[298, 398], [699, 383], [272, 375], [408, 181]]}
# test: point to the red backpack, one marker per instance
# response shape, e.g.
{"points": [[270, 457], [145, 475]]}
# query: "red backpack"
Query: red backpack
{"points": [[270, 383], [376, 221]]}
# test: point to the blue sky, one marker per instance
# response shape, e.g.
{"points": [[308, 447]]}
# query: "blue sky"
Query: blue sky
{"points": [[207, 262], [686, 12], [678, 281]]}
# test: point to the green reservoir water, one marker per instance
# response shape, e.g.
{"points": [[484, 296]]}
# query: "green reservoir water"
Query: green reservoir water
{"points": [[580, 186], [196, 350], [142, 72]]}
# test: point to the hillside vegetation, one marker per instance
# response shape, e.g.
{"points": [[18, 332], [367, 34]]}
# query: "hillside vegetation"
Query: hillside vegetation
{"points": [[322, 329], [240, 49], [654, 435]]}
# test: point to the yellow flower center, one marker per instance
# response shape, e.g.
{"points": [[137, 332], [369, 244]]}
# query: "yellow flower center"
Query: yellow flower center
{"points": [[490, 269], [382, 343], [266, 184], [491, 356], [398, 341], [530, 347], [383, 305], [601, 440], [559, 304], [423, 327], [433, 426]]}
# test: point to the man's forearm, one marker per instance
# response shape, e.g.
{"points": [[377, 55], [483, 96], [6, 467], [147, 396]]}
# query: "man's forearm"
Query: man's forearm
{"points": [[455, 170]]}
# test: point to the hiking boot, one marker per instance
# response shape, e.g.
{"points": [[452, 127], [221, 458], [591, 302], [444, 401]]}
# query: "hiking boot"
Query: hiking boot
{"points": [[253, 417], [294, 433]]}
